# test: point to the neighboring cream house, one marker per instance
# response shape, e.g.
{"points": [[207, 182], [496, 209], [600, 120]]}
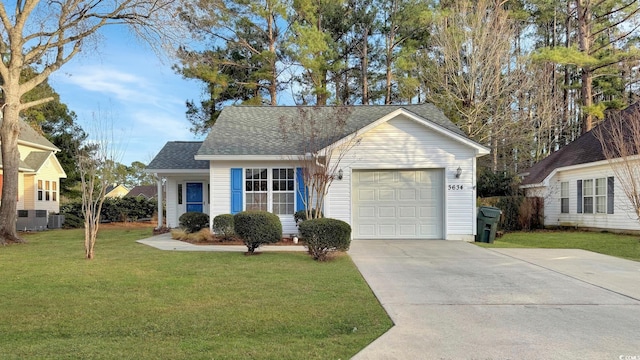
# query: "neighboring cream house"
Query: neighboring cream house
{"points": [[412, 174], [38, 180], [116, 191]]}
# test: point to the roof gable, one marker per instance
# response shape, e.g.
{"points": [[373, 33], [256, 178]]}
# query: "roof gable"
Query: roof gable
{"points": [[30, 137], [257, 130]]}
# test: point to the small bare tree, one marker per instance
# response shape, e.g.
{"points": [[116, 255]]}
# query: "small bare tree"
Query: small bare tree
{"points": [[97, 162], [619, 136], [324, 138]]}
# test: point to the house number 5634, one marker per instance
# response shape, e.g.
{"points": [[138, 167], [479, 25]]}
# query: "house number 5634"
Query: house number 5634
{"points": [[456, 187]]}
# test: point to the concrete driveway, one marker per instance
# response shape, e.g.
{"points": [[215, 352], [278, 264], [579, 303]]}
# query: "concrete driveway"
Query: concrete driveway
{"points": [[454, 300]]}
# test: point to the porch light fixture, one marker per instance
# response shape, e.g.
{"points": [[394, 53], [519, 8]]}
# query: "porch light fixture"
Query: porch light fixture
{"points": [[340, 173], [458, 172]]}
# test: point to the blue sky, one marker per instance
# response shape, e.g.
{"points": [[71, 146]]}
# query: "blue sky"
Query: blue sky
{"points": [[143, 97]]}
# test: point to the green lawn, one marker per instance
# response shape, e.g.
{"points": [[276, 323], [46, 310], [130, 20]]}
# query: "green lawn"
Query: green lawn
{"points": [[624, 246], [136, 302]]}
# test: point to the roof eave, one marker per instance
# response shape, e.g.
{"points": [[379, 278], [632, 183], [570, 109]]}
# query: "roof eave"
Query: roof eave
{"points": [[246, 157]]}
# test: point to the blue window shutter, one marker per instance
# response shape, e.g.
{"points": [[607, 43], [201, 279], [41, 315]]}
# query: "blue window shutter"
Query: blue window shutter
{"points": [[236, 190], [579, 196], [610, 195], [301, 191]]}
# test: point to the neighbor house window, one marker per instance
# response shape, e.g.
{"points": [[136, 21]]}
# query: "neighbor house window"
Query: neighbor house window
{"points": [[47, 188], [54, 191], [601, 196], [40, 190], [564, 197], [270, 190], [587, 196], [256, 189], [597, 196]]}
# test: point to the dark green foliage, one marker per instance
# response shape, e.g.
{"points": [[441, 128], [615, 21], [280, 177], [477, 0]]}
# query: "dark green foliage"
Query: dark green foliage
{"points": [[223, 226], [257, 227], [193, 221], [325, 235], [496, 184], [520, 213], [301, 215], [113, 210]]}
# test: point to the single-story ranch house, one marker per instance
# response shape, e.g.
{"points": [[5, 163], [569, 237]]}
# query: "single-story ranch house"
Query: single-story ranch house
{"points": [[410, 175], [580, 188]]}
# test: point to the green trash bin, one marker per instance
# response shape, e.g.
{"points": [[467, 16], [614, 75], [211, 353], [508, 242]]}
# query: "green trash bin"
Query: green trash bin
{"points": [[488, 218]]}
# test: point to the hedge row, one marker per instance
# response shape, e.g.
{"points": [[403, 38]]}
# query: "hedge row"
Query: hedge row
{"points": [[113, 210]]}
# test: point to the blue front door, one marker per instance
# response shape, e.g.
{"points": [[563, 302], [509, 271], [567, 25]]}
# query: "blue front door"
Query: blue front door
{"points": [[194, 197]]}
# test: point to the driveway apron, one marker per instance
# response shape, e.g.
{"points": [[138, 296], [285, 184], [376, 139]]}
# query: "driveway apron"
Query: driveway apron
{"points": [[454, 300]]}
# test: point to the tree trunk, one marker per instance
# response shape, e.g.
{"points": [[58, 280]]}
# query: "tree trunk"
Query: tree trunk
{"points": [[9, 132], [584, 38], [365, 67]]}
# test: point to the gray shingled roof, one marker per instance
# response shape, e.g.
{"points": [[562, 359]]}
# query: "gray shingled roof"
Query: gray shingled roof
{"points": [[29, 135], [585, 149], [148, 191], [178, 155], [257, 130], [35, 159]]}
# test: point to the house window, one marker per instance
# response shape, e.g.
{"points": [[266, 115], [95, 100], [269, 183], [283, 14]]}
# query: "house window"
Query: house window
{"points": [[270, 190], [47, 188], [594, 196], [179, 194], [40, 190], [54, 191], [564, 197], [587, 196], [256, 189], [601, 196], [283, 191]]}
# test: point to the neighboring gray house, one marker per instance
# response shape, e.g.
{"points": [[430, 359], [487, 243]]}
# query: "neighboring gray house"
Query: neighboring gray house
{"points": [[580, 188], [412, 174]]}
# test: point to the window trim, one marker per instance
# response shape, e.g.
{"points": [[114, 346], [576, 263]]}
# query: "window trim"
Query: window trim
{"points": [[564, 197]]}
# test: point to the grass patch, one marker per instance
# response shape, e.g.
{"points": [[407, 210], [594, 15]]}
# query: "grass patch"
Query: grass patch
{"points": [[136, 302], [624, 246]]}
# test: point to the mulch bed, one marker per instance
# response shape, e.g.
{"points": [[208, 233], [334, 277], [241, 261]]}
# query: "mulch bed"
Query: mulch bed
{"points": [[215, 240]]}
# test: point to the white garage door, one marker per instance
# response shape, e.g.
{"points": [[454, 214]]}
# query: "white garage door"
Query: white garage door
{"points": [[398, 204]]}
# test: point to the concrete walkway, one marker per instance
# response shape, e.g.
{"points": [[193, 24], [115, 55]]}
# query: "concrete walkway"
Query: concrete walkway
{"points": [[165, 242], [454, 300]]}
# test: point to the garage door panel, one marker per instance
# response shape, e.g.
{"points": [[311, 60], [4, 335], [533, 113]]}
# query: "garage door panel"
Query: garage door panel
{"points": [[366, 230], [397, 204], [407, 212], [387, 230], [387, 195], [407, 194], [366, 195]]}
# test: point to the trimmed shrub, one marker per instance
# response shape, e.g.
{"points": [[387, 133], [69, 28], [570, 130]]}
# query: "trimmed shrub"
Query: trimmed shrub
{"points": [[322, 236], [256, 228], [193, 221], [301, 215], [223, 226]]}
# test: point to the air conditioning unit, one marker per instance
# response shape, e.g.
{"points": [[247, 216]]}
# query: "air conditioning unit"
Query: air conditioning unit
{"points": [[31, 220], [55, 221]]}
